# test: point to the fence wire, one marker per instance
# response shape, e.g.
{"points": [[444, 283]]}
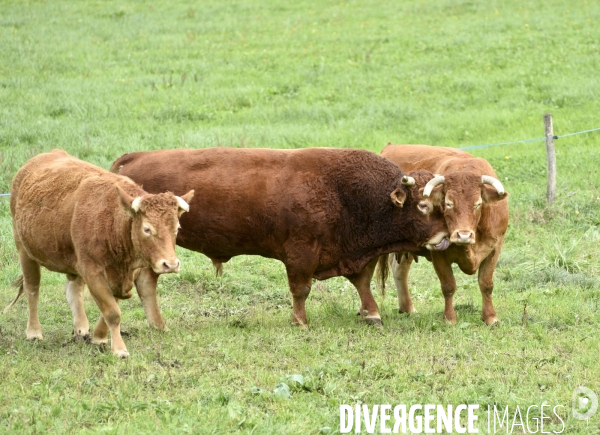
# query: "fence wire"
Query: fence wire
{"points": [[537, 139], [487, 145]]}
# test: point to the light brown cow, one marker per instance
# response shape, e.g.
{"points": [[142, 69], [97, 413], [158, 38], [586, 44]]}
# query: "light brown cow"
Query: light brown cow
{"points": [[476, 212], [322, 212], [96, 227]]}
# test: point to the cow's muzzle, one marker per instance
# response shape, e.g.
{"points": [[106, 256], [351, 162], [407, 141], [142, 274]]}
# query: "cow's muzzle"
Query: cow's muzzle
{"points": [[463, 237], [167, 266]]}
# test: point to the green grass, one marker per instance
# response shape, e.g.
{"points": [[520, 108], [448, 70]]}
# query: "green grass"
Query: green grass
{"points": [[99, 79]]}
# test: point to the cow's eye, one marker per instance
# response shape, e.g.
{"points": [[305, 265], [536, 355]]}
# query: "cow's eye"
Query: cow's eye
{"points": [[147, 231], [449, 205], [424, 207], [477, 206]]}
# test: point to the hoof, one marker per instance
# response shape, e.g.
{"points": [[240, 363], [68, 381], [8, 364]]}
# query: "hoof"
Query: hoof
{"points": [[303, 326], [82, 338], [34, 336], [450, 321], [121, 353], [100, 341], [300, 321], [161, 328], [374, 321], [409, 311], [492, 321]]}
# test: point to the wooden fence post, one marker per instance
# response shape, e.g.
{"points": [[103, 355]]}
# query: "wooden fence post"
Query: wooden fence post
{"points": [[551, 158]]}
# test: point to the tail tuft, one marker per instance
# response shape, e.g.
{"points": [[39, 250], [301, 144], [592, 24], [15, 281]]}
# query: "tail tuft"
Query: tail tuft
{"points": [[382, 272], [18, 284]]}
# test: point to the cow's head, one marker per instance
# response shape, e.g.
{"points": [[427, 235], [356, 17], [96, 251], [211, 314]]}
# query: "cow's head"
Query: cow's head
{"points": [[463, 195], [154, 227], [425, 214]]}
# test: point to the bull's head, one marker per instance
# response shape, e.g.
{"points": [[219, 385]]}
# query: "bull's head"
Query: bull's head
{"points": [[154, 227], [426, 217], [463, 195]]}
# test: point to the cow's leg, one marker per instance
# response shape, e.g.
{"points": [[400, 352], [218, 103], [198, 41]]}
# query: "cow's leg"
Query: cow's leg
{"points": [[100, 335], [145, 285], [443, 269], [400, 271], [486, 285], [362, 282], [111, 316], [300, 284], [74, 292], [31, 287]]}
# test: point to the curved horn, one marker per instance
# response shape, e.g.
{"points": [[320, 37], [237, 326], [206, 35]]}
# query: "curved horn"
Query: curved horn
{"points": [[496, 184], [182, 204], [136, 204], [408, 180], [437, 179]]}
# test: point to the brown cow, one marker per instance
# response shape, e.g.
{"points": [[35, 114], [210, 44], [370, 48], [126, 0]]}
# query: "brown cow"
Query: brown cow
{"points": [[322, 212], [476, 212], [96, 227]]}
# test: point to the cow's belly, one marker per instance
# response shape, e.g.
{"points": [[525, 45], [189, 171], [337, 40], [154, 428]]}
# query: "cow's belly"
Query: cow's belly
{"points": [[61, 262], [223, 245]]}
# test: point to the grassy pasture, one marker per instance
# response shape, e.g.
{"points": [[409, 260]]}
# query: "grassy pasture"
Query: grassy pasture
{"points": [[99, 79]]}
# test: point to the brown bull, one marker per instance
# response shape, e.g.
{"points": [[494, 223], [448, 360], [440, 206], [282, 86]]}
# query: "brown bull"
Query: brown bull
{"points": [[475, 208], [96, 227], [322, 212]]}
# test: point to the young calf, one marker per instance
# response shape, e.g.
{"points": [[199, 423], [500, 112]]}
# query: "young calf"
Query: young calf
{"points": [[96, 227]]}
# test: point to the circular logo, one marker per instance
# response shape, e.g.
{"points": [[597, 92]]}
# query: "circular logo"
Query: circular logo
{"points": [[585, 403]]}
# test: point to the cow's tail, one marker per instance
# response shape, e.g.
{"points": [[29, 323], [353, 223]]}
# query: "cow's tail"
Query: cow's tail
{"points": [[17, 283], [382, 272]]}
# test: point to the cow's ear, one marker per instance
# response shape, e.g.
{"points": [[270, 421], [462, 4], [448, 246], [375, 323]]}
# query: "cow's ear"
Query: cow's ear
{"points": [[130, 204], [490, 195], [437, 195], [398, 197], [183, 202]]}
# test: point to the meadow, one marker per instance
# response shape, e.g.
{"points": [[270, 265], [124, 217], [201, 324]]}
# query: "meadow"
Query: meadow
{"points": [[102, 78]]}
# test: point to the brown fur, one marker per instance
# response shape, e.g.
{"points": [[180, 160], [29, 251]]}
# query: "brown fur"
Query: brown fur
{"points": [[463, 188], [75, 218], [322, 212]]}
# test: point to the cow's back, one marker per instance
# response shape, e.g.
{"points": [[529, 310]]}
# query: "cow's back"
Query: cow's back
{"points": [[439, 160], [52, 193]]}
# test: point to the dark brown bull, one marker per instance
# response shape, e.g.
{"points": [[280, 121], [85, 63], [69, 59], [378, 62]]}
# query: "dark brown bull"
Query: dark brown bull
{"points": [[476, 212], [96, 227], [322, 212]]}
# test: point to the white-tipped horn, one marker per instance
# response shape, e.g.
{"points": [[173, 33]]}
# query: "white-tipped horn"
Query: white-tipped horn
{"points": [[437, 179], [136, 204], [496, 184], [182, 204], [408, 180]]}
